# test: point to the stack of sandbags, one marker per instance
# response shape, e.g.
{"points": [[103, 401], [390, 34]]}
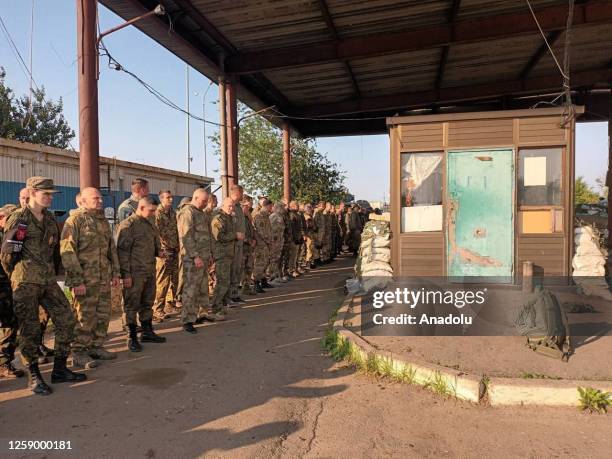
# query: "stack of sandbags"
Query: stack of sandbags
{"points": [[373, 266], [589, 259]]}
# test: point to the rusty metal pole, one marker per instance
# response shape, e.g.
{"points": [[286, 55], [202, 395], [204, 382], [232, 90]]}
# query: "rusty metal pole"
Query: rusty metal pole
{"points": [[223, 137], [89, 146], [232, 131], [287, 162]]}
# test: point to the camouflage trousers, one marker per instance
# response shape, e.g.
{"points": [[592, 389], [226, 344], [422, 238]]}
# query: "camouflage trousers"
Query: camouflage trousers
{"points": [[236, 269], [286, 258], [8, 334], [26, 300], [166, 282], [261, 261], [293, 256], [181, 283], [309, 250], [195, 292], [248, 261], [326, 249], [276, 253], [138, 299], [224, 266], [92, 312]]}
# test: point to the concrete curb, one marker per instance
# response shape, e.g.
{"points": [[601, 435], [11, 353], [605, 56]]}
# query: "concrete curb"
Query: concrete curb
{"points": [[494, 391]]}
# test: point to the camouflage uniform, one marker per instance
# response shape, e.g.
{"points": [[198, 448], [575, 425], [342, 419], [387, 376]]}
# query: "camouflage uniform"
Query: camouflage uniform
{"points": [[319, 236], [263, 238], [194, 237], [223, 238], [327, 239], [295, 239], [248, 252], [287, 251], [277, 224], [310, 231], [179, 286], [137, 246], [167, 264], [238, 262], [301, 261], [8, 320], [89, 257], [33, 281], [354, 227], [127, 208]]}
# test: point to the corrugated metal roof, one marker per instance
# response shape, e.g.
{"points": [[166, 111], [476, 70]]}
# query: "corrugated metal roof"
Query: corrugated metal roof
{"points": [[273, 26]]}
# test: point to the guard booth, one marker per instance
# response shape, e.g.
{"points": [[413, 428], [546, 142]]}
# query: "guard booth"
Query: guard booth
{"points": [[474, 195]]}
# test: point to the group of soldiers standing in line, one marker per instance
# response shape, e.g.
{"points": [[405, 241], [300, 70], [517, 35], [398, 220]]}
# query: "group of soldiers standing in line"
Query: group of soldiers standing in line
{"points": [[195, 261]]}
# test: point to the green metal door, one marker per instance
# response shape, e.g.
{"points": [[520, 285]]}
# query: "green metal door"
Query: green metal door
{"points": [[480, 228]]}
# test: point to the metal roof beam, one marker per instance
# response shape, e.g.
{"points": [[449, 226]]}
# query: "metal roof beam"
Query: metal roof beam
{"points": [[334, 33], [539, 54], [455, 94], [465, 31], [452, 15]]}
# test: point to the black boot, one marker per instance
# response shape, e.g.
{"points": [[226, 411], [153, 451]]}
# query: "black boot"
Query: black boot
{"points": [[62, 374], [189, 328], [35, 381], [148, 335], [258, 287], [265, 284], [45, 351], [133, 344]]}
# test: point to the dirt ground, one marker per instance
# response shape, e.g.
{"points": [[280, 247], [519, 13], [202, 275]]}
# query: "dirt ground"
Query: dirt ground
{"points": [[259, 385]]}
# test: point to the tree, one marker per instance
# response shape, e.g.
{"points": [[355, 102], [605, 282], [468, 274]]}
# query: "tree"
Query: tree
{"points": [[41, 121], [583, 194], [313, 176]]}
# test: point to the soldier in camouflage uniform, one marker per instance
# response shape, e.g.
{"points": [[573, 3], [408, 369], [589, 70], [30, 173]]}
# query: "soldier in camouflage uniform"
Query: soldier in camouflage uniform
{"points": [[296, 238], [263, 240], [248, 247], [90, 259], [319, 236], [303, 266], [140, 189], [179, 287], [33, 279], [8, 320], [310, 232], [224, 236], [326, 242], [167, 262], [285, 269], [236, 193], [137, 246], [209, 211], [195, 253], [277, 224]]}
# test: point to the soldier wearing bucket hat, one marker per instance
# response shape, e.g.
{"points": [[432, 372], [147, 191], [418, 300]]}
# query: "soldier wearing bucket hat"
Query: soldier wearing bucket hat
{"points": [[31, 259]]}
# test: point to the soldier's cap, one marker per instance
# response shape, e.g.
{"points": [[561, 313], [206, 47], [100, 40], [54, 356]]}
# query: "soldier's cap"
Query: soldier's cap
{"points": [[8, 209], [41, 184]]}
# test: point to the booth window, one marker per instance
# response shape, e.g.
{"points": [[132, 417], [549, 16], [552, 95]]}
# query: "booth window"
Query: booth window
{"points": [[540, 193], [421, 192]]}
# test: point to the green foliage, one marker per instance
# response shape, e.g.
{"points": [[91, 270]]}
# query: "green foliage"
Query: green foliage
{"points": [[594, 400], [313, 176], [439, 385], [40, 122], [583, 194]]}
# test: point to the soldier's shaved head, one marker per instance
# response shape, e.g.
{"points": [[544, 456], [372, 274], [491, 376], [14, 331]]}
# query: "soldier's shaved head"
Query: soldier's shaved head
{"points": [[227, 205], [91, 199], [200, 198]]}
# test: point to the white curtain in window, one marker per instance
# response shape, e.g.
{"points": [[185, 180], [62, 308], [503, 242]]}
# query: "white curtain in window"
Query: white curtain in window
{"points": [[420, 166]]}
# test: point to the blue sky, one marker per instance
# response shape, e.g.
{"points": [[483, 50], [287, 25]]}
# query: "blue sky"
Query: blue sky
{"points": [[135, 126]]}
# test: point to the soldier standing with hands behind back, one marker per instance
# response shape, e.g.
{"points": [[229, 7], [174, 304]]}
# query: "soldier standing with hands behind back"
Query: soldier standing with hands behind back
{"points": [[223, 238], [137, 247], [90, 259], [32, 259]]}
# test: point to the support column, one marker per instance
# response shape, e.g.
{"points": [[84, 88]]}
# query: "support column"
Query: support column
{"points": [[89, 146], [232, 131], [287, 162], [223, 137], [609, 175]]}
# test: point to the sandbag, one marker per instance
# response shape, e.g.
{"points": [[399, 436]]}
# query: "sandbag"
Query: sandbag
{"points": [[586, 262], [378, 283], [376, 242], [376, 266], [378, 273], [589, 248]]}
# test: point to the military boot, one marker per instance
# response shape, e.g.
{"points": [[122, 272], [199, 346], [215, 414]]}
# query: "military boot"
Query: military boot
{"points": [[148, 335], [133, 344], [258, 287], [62, 374], [81, 359], [8, 371], [100, 353], [35, 381], [265, 284]]}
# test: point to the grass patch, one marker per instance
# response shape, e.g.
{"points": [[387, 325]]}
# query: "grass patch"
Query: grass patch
{"points": [[594, 400], [440, 385], [527, 375]]}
